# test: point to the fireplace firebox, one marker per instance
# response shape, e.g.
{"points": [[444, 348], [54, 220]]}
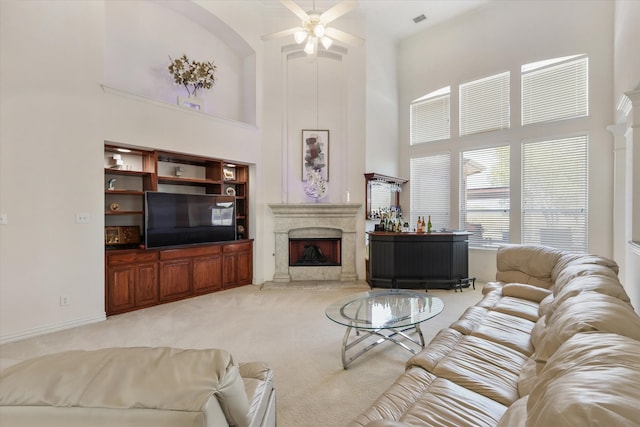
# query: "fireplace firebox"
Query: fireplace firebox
{"points": [[315, 252]]}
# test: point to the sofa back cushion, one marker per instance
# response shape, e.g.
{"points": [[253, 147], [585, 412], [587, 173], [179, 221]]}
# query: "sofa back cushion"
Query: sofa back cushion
{"points": [[592, 379], [137, 377], [596, 283], [582, 259], [528, 264], [587, 311]]}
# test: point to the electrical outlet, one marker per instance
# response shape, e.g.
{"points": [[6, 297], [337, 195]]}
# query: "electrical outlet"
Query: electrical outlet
{"points": [[82, 218], [4, 219], [64, 301]]}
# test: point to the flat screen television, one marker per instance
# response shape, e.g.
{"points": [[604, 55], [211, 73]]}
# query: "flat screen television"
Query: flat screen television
{"points": [[173, 219]]}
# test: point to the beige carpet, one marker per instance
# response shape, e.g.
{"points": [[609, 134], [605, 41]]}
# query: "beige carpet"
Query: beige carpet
{"points": [[284, 326]]}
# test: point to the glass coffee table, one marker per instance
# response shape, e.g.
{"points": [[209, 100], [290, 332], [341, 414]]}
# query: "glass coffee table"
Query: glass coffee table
{"points": [[388, 315]]}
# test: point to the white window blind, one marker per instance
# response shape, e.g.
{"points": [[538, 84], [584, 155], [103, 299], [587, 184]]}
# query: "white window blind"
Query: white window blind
{"points": [[485, 195], [430, 189], [555, 90], [484, 104], [555, 193], [430, 117]]}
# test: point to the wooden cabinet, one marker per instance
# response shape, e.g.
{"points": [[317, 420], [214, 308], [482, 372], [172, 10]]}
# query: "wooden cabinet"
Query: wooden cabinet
{"points": [[138, 278], [207, 274], [131, 282], [238, 264]]}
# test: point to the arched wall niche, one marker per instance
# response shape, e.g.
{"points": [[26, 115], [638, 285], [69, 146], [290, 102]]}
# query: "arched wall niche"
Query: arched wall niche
{"points": [[140, 36]]}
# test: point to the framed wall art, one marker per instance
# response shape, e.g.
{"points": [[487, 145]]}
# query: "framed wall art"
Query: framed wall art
{"points": [[315, 152]]}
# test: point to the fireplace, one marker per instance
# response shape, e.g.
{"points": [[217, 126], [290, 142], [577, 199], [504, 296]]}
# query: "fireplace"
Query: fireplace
{"points": [[319, 224], [315, 252]]}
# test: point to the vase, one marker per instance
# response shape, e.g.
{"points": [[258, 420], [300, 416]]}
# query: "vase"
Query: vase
{"points": [[191, 101]]}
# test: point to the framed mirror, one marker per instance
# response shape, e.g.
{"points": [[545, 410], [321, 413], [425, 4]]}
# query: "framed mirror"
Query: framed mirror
{"points": [[382, 192]]}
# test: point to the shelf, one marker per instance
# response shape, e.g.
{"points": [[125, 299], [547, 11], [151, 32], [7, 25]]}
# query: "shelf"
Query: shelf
{"points": [[113, 171], [124, 213], [186, 181], [124, 192]]}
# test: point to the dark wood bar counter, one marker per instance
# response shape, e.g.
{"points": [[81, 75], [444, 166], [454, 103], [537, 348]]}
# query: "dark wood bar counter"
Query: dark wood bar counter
{"points": [[419, 260]]}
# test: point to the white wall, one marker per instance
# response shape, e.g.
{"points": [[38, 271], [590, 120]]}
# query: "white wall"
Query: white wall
{"points": [[501, 37], [51, 146], [56, 117]]}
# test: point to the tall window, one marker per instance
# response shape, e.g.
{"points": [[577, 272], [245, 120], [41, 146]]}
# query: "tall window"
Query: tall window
{"points": [[484, 195], [430, 189], [484, 104], [430, 117], [555, 193], [555, 89]]}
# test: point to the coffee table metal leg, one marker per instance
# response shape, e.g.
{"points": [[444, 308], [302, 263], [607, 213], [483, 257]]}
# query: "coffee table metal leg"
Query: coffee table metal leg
{"points": [[346, 345]]}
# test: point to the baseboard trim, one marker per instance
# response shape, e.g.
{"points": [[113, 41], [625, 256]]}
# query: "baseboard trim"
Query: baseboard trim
{"points": [[29, 333]]}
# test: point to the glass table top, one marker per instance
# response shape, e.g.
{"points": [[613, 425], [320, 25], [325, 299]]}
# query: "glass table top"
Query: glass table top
{"points": [[384, 309]]}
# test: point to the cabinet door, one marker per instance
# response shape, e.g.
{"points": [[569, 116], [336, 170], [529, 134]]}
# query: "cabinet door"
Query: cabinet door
{"points": [[207, 274], [175, 279], [230, 270], [146, 284], [245, 268], [120, 289]]}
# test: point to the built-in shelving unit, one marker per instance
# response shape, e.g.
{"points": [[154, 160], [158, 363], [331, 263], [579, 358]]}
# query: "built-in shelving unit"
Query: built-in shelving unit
{"points": [[137, 277]]}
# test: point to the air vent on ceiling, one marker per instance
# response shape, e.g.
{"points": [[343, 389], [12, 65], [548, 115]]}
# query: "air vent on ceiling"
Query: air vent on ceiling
{"points": [[419, 18]]}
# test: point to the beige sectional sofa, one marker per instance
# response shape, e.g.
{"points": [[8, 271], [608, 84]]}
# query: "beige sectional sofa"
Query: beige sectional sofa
{"points": [[553, 342], [140, 386]]}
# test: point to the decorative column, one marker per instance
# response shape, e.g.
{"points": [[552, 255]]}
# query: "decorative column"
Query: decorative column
{"points": [[281, 273]]}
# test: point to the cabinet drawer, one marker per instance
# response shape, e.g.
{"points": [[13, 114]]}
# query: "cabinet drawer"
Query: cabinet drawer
{"points": [[237, 247], [178, 253], [131, 258]]}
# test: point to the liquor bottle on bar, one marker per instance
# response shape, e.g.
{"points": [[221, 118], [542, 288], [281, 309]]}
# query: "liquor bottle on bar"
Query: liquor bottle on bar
{"points": [[429, 225], [419, 228]]}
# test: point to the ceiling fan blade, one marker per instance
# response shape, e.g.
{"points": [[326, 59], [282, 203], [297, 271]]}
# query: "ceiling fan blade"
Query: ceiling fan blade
{"points": [[293, 7], [338, 10], [282, 33], [344, 37]]}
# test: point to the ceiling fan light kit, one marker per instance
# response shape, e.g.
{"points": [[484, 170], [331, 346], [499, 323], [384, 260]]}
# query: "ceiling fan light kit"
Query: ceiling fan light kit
{"points": [[314, 27]]}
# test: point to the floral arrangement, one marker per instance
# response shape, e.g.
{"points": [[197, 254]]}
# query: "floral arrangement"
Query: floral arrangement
{"points": [[193, 75], [315, 186]]}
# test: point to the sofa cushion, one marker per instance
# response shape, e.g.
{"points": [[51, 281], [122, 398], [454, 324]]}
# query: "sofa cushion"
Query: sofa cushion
{"points": [[470, 319], [573, 271], [121, 378], [601, 284], [524, 291], [511, 331], [543, 308], [482, 366], [538, 332], [588, 311], [519, 307], [420, 398], [592, 379], [526, 264], [439, 347], [581, 259], [515, 415]]}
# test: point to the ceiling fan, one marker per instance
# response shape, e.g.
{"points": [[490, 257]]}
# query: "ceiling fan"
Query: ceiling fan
{"points": [[314, 26]]}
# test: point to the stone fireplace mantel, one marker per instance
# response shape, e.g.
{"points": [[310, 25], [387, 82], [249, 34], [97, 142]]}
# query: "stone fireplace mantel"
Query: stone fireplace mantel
{"points": [[315, 220]]}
